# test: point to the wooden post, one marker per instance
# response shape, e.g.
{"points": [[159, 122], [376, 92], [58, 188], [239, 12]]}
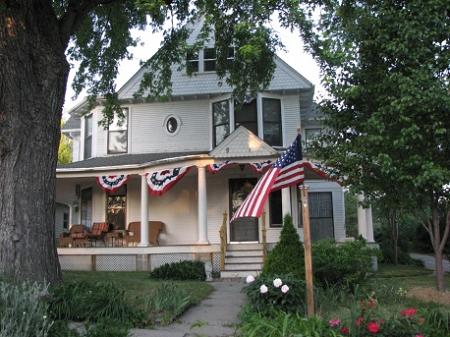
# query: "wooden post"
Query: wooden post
{"points": [[308, 252]]}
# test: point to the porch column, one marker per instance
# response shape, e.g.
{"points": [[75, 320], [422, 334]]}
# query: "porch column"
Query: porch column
{"points": [[202, 207], [369, 222], [362, 219], [144, 213]]}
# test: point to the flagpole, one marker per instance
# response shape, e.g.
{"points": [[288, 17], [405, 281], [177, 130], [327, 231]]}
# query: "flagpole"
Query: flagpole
{"points": [[308, 251]]}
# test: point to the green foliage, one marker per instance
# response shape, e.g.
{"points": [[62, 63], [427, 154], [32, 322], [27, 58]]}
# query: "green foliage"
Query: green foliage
{"points": [[274, 299], [61, 329], [23, 310], [64, 150], [346, 264], [183, 270], [80, 301], [107, 328], [167, 302], [283, 324], [287, 257], [351, 218]]}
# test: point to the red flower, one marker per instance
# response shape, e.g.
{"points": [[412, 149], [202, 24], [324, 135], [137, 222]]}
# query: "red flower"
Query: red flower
{"points": [[359, 320], [344, 330], [408, 312], [373, 327]]}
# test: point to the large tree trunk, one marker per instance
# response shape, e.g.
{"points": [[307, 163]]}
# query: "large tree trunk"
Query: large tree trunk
{"points": [[33, 77]]}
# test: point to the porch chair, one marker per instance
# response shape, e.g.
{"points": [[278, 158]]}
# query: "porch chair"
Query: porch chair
{"points": [[79, 235], [133, 234], [98, 231]]}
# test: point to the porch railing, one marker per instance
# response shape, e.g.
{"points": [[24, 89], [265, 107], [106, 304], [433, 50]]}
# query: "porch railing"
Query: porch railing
{"points": [[223, 241]]}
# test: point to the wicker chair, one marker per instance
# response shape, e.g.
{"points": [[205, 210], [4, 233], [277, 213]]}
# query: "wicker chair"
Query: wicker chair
{"points": [[78, 235], [133, 234], [98, 231]]}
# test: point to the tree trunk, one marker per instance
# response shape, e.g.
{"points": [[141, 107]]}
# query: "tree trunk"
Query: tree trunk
{"points": [[393, 222], [33, 77], [438, 258]]}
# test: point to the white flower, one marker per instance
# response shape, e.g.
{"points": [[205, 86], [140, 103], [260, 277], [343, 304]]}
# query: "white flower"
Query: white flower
{"points": [[44, 317], [249, 279], [277, 283], [285, 289], [263, 289]]}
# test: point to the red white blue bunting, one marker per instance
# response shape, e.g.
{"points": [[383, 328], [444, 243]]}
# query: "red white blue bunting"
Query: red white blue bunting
{"points": [[160, 182], [111, 183], [216, 167], [260, 167]]}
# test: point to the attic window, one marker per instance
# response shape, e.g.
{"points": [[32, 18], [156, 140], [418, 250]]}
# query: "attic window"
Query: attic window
{"points": [[192, 62]]}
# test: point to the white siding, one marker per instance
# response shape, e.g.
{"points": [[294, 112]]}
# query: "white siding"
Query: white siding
{"points": [[291, 118], [148, 132]]}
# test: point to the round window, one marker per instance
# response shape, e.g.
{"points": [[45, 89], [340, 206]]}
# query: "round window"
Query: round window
{"points": [[172, 125]]}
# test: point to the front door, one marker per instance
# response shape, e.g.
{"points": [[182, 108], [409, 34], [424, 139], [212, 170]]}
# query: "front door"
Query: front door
{"points": [[242, 229], [86, 207]]}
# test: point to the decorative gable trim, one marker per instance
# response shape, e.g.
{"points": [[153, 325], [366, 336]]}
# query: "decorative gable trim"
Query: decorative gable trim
{"points": [[242, 143]]}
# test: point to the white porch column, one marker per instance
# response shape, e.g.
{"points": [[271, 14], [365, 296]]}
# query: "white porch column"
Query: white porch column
{"points": [[202, 207], [144, 213], [369, 222], [362, 219], [286, 201]]}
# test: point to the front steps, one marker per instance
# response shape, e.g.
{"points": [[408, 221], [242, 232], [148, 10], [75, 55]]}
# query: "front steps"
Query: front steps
{"points": [[242, 260]]}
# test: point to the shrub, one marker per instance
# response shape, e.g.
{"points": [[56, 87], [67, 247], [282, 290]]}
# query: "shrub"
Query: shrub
{"points": [[183, 270], [344, 265], [167, 303], [282, 324], [79, 301], [287, 257], [265, 295], [23, 310], [107, 328]]}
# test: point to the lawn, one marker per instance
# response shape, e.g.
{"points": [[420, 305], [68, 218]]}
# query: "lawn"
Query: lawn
{"points": [[138, 284]]}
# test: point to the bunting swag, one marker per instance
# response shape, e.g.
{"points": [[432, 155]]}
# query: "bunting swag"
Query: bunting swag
{"points": [[260, 167], [111, 183], [216, 167], [161, 181]]}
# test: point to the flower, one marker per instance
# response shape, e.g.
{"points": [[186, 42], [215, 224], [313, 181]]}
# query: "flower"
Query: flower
{"points": [[263, 289], [277, 283], [344, 330], [373, 327], [359, 320], [408, 312], [250, 279], [334, 322], [285, 289], [418, 335]]}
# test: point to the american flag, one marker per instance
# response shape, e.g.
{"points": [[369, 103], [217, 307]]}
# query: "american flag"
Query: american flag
{"points": [[287, 171]]}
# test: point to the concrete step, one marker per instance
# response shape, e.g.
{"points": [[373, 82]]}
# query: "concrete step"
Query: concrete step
{"points": [[243, 266], [238, 273], [243, 259], [244, 246], [242, 253]]}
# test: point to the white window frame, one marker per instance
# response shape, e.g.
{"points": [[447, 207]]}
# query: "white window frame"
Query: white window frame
{"points": [[211, 120], [83, 136], [259, 104], [128, 135]]}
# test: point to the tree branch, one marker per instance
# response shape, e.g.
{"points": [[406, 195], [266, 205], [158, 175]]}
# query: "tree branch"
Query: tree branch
{"points": [[76, 11], [446, 232]]}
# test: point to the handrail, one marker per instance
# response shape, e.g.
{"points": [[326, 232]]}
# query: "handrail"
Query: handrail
{"points": [[264, 236], [223, 241]]}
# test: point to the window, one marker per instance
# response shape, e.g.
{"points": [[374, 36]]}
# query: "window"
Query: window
{"points": [[88, 137], [221, 121], [86, 207], [116, 204], [209, 59], [311, 135], [192, 62], [118, 135], [276, 209], [246, 115], [272, 121], [320, 214], [65, 220]]}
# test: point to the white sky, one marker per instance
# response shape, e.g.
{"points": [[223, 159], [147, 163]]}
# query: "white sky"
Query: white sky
{"points": [[294, 55]]}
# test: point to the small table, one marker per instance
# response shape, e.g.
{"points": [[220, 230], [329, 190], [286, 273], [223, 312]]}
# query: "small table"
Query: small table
{"points": [[115, 238]]}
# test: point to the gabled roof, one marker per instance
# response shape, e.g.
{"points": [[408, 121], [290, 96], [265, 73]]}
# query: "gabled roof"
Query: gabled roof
{"points": [[243, 143], [73, 123]]}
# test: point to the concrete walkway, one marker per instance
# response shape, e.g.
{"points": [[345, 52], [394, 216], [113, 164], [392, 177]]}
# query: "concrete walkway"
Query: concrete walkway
{"points": [[428, 261], [216, 316]]}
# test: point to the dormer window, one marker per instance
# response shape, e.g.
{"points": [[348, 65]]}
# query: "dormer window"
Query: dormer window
{"points": [[192, 62], [209, 59], [118, 135]]}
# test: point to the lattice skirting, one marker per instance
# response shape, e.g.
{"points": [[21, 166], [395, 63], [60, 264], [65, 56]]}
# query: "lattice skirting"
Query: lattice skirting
{"points": [[132, 262]]}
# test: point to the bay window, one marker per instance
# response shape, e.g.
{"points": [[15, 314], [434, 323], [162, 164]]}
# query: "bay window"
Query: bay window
{"points": [[118, 134], [221, 121], [88, 137], [246, 114], [272, 121]]}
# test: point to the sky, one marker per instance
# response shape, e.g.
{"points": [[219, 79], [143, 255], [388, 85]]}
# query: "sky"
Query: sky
{"points": [[294, 55]]}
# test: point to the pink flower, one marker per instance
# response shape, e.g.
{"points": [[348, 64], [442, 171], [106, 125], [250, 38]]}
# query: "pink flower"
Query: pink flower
{"points": [[373, 327], [263, 289], [285, 289], [359, 320], [344, 330], [334, 322], [408, 312], [419, 336]]}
